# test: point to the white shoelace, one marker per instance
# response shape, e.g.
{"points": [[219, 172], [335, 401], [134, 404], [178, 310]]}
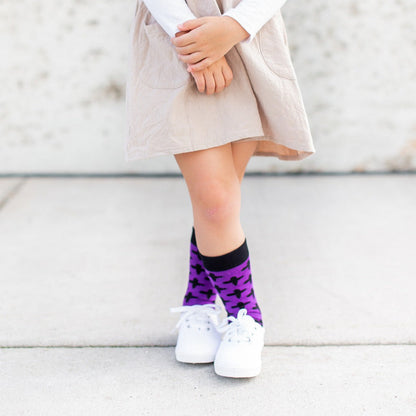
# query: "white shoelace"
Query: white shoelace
{"points": [[239, 329], [198, 313]]}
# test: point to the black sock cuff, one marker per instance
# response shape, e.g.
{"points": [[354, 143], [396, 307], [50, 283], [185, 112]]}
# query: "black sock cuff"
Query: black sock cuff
{"points": [[228, 260], [193, 238]]}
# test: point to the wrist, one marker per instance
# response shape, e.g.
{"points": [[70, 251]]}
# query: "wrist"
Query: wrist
{"points": [[239, 33]]}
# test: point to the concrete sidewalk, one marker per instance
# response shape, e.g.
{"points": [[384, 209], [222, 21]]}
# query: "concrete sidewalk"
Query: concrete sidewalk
{"points": [[90, 266]]}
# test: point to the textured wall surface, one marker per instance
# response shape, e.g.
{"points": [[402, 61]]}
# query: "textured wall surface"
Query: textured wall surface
{"points": [[62, 73]]}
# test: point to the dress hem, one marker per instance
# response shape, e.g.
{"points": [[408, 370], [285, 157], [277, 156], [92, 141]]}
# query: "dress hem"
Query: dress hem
{"points": [[137, 154]]}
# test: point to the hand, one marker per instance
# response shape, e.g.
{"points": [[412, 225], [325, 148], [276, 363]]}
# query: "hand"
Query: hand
{"points": [[215, 78], [204, 40]]}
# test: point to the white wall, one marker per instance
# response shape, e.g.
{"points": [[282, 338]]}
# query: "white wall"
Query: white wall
{"points": [[62, 75]]}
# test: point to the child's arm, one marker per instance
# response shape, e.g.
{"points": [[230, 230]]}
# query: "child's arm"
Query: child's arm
{"points": [[211, 37]]}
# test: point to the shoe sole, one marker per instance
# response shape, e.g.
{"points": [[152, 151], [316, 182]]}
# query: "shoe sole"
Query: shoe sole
{"points": [[193, 359], [237, 372]]}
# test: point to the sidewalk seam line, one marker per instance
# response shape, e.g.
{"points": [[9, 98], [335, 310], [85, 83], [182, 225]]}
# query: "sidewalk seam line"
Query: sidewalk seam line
{"points": [[172, 346], [12, 193]]}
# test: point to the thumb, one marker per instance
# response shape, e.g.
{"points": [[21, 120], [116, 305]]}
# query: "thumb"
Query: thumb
{"points": [[190, 24]]}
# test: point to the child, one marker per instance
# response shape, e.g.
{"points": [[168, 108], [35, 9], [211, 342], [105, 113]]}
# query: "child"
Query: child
{"points": [[212, 82]]}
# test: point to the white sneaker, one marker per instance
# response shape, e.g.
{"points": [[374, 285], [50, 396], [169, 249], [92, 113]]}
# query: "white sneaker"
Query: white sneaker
{"points": [[198, 339], [239, 354]]}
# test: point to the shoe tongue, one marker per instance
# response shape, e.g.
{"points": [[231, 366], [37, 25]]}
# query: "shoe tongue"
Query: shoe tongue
{"points": [[247, 319]]}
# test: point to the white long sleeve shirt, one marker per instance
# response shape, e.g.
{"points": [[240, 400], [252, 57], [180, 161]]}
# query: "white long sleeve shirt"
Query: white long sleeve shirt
{"points": [[250, 14]]}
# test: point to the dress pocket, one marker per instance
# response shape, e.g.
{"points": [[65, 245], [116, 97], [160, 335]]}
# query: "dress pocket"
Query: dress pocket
{"points": [[273, 45], [158, 63]]}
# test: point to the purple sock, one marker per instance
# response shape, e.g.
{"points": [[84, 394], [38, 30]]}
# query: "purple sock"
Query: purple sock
{"points": [[230, 273], [200, 290]]}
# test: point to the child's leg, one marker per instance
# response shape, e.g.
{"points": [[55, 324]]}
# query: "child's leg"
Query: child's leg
{"points": [[214, 190], [200, 289], [214, 187]]}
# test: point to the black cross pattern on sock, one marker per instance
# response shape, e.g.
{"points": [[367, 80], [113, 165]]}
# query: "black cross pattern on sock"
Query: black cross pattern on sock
{"points": [[195, 283], [198, 254], [251, 293], [237, 292], [224, 301], [246, 266], [198, 268], [208, 293], [234, 280], [190, 296], [248, 280], [240, 305], [256, 306], [219, 289], [213, 276]]}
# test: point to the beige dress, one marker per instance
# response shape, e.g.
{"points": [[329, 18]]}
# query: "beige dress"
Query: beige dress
{"points": [[166, 114]]}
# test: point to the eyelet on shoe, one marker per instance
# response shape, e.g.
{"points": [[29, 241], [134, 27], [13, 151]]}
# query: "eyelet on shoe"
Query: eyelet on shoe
{"points": [[188, 326], [208, 329]]}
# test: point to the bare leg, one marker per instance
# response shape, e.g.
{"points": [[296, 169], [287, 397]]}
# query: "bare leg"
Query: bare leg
{"points": [[213, 177]]}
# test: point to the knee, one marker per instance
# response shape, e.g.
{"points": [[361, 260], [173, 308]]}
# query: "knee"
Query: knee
{"points": [[216, 201]]}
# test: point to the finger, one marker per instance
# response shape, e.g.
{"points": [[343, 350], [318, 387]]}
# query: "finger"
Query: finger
{"points": [[180, 33], [200, 81], [191, 58], [183, 40], [228, 75], [209, 82], [219, 80], [200, 66], [190, 24], [185, 50]]}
